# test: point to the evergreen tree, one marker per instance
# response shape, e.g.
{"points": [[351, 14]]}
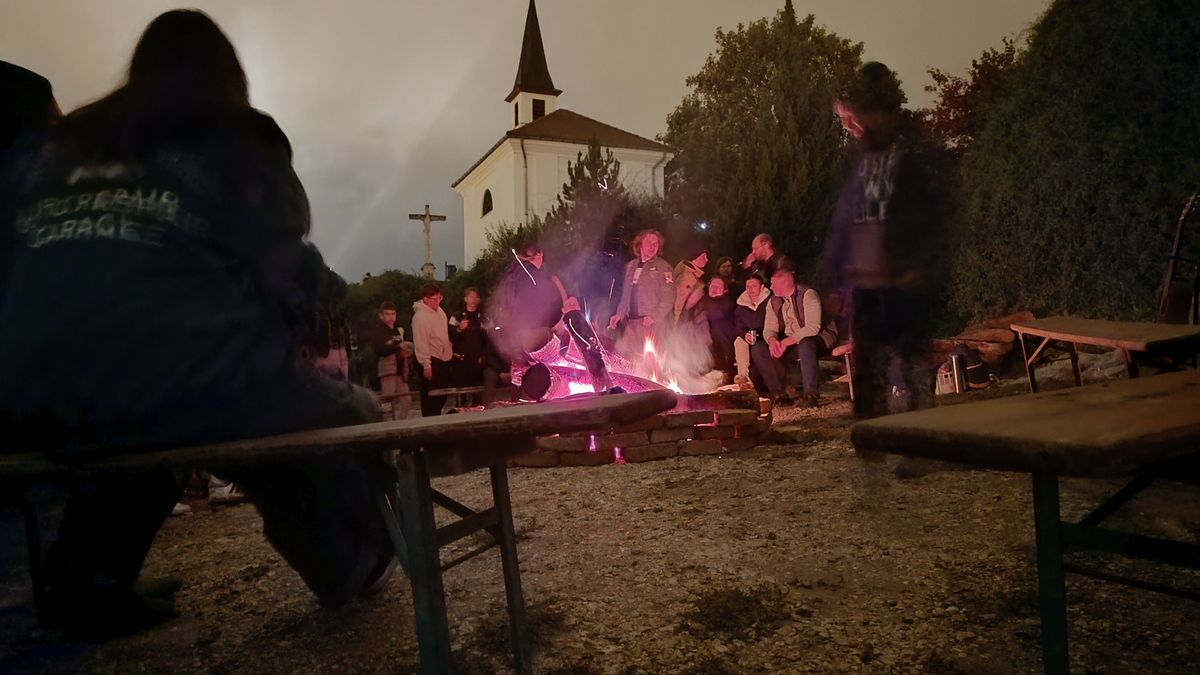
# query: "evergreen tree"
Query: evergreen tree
{"points": [[758, 148]]}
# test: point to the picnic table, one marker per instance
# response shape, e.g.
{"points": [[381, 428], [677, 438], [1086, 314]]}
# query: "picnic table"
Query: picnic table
{"points": [[1143, 428], [419, 449], [1130, 337]]}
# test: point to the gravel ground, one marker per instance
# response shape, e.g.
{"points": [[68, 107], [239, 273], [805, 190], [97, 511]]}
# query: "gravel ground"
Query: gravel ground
{"points": [[797, 557]]}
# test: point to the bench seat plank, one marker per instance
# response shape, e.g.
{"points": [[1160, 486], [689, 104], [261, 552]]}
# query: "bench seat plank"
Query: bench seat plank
{"points": [[502, 430], [1108, 429]]}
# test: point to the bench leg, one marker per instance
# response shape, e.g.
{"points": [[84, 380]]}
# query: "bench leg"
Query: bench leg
{"points": [[424, 566], [1073, 350], [1052, 586], [850, 374], [519, 633], [1028, 363]]}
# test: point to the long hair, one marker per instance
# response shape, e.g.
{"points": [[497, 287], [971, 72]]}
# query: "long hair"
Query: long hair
{"points": [[183, 68], [636, 245]]}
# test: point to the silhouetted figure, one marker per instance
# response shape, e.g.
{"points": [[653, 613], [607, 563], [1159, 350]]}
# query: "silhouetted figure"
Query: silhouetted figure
{"points": [[718, 306], [157, 237], [883, 246]]}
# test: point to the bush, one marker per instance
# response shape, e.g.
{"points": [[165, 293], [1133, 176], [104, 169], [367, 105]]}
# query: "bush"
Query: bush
{"points": [[1071, 191]]}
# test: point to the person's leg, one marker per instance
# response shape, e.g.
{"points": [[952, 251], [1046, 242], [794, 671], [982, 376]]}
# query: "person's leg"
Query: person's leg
{"points": [[771, 369], [872, 359], [741, 357], [442, 378], [320, 513], [808, 352]]}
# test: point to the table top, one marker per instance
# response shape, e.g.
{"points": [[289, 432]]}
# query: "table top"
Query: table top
{"points": [[1131, 335], [1108, 429], [487, 436]]}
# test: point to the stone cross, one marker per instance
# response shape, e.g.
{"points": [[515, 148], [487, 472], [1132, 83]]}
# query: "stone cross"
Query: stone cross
{"points": [[426, 218]]}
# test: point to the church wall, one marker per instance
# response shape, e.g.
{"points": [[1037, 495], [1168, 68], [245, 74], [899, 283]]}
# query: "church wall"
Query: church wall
{"points": [[548, 171], [497, 173]]}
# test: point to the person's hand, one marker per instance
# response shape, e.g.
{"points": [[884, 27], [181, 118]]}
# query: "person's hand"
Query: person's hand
{"points": [[775, 348], [613, 321], [427, 373], [748, 260], [648, 322], [571, 305], [464, 324], [750, 337]]}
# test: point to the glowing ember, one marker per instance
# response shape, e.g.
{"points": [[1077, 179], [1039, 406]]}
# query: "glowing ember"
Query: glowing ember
{"points": [[580, 387], [617, 458]]}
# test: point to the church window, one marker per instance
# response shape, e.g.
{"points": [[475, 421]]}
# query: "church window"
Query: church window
{"points": [[516, 114], [487, 202], [539, 108]]}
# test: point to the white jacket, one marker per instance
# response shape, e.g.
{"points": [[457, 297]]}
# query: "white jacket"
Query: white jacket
{"points": [[431, 337]]}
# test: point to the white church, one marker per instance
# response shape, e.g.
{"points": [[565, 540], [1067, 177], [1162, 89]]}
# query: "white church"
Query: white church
{"points": [[522, 174]]}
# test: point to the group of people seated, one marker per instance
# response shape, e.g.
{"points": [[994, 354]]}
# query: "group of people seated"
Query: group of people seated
{"points": [[753, 328]]}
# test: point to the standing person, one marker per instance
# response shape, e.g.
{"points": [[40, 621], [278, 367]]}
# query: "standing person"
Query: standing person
{"points": [[647, 296], [527, 306], [794, 332], [718, 307], [762, 259], [882, 245], [431, 342], [392, 360], [173, 241], [689, 275], [749, 317], [469, 340]]}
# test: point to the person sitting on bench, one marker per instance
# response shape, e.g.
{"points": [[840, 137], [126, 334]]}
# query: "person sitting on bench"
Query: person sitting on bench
{"points": [[156, 237], [793, 332]]}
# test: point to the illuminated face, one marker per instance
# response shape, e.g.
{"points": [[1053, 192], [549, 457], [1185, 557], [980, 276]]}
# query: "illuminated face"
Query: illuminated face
{"points": [[849, 119], [388, 317], [471, 299], [783, 283], [716, 287], [650, 246], [433, 301], [537, 259], [726, 269], [753, 288]]}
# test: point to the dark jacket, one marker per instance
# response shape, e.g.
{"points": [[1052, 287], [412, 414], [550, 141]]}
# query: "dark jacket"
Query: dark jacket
{"points": [[170, 273], [389, 355], [470, 342]]}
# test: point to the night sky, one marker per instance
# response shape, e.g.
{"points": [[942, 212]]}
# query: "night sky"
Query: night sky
{"points": [[387, 102]]}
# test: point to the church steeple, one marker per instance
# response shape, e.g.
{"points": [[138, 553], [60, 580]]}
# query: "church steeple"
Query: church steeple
{"points": [[533, 76]]}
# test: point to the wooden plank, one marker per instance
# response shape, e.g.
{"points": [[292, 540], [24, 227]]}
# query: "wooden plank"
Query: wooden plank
{"points": [[1130, 335], [1108, 429], [478, 432]]}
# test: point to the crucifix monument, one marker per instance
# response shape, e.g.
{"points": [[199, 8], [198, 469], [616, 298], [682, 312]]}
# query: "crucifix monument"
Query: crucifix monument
{"points": [[426, 218]]}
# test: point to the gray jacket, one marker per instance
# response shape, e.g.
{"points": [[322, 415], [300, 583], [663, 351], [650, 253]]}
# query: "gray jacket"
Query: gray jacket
{"points": [[655, 290]]}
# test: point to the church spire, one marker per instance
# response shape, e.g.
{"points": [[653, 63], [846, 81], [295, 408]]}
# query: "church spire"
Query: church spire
{"points": [[533, 76]]}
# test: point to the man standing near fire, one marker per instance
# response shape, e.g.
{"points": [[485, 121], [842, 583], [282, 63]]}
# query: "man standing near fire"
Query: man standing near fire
{"points": [[882, 245], [647, 296]]}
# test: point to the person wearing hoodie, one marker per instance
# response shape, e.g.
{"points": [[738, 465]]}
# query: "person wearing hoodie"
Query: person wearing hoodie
{"points": [[748, 319], [718, 306], [431, 342]]}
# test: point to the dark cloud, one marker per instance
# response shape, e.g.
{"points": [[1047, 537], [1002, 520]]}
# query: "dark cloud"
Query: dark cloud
{"points": [[388, 101]]}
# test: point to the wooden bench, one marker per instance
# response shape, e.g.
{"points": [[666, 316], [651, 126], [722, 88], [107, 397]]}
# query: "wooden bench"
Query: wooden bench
{"points": [[1129, 336], [1145, 428], [844, 352], [419, 448]]}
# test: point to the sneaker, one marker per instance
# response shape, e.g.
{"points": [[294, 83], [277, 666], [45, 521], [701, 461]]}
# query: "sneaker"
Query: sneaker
{"points": [[181, 509], [810, 401], [378, 579], [784, 401], [225, 495]]}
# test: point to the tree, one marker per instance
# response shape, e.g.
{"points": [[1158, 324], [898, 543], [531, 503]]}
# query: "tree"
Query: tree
{"points": [[758, 148], [1072, 186], [962, 102]]}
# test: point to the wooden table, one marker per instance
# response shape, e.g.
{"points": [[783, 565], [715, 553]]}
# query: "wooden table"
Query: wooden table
{"points": [[1145, 428], [421, 448], [1128, 336]]}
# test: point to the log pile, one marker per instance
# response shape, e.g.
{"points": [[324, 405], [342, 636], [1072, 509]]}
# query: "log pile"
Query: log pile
{"points": [[992, 339]]}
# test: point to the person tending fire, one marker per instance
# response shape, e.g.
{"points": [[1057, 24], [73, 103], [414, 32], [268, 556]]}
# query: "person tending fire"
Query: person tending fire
{"points": [[647, 296]]}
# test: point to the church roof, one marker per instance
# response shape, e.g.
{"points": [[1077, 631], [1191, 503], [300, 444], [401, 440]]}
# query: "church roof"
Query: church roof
{"points": [[565, 126], [533, 75]]}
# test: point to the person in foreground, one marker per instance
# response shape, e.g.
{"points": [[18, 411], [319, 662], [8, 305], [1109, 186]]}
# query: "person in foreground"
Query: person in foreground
{"points": [[884, 244], [162, 230]]}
